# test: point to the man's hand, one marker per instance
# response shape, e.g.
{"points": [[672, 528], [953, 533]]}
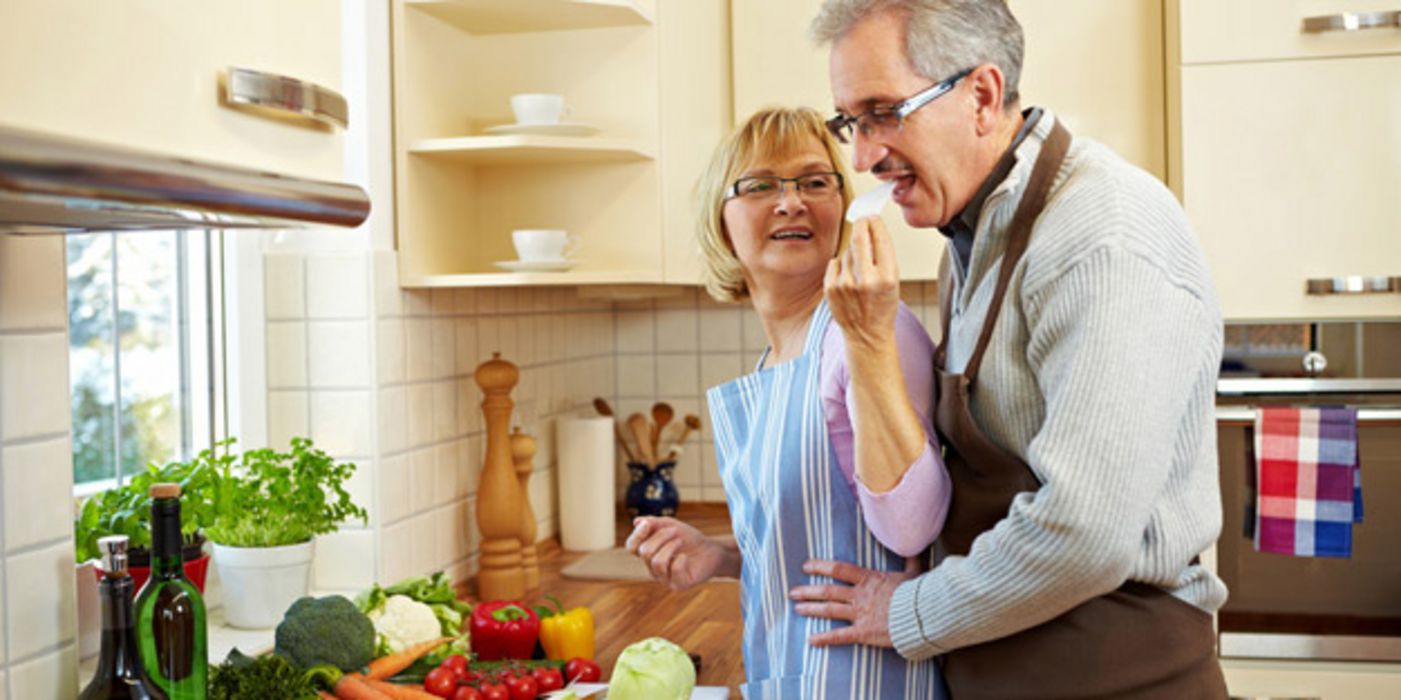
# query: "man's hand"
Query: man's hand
{"points": [[865, 603], [862, 287]]}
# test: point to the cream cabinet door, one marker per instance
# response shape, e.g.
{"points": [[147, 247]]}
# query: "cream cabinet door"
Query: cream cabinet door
{"points": [[1312, 679], [1292, 171], [144, 73], [1097, 63]]}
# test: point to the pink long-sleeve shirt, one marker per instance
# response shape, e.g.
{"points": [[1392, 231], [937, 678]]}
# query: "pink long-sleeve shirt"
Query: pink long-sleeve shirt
{"points": [[908, 518]]}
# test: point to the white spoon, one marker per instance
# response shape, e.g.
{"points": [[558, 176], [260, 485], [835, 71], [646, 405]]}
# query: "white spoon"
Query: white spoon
{"points": [[870, 203]]}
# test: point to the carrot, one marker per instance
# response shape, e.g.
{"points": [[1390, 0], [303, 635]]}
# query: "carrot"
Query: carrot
{"points": [[403, 692], [325, 695], [353, 686], [387, 666]]}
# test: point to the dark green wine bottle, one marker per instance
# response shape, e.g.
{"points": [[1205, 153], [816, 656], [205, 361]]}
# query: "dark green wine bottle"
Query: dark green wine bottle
{"points": [[170, 618]]}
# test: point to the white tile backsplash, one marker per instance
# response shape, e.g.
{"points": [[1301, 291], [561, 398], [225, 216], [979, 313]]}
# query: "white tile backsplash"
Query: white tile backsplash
{"points": [[465, 355], [50, 677], [284, 282], [394, 487], [32, 367], [287, 417], [339, 354], [418, 334], [340, 422], [720, 329], [420, 414], [678, 375], [286, 354], [343, 560], [637, 375], [393, 419], [40, 475], [422, 479], [444, 409], [677, 331], [32, 274], [337, 286], [636, 331], [41, 599], [444, 347], [390, 351]]}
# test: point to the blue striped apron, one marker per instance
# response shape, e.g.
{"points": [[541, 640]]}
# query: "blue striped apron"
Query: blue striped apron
{"points": [[789, 503]]}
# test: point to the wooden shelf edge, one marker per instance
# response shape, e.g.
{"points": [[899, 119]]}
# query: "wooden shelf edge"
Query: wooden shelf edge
{"points": [[485, 17], [525, 149], [528, 279]]}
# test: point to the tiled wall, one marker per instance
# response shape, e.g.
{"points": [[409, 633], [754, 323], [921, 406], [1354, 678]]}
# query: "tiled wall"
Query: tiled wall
{"points": [[37, 598], [384, 377]]}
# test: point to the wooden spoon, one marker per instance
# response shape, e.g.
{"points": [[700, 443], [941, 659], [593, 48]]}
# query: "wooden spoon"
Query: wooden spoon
{"points": [[691, 422], [661, 415], [605, 410], [642, 430]]}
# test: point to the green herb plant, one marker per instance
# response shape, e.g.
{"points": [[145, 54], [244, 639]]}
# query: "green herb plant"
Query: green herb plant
{"points": [[271, 498], [126, 509]]}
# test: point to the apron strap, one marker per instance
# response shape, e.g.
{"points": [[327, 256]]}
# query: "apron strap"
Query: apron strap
{"points": [[817, 327], [945, 307], [1048, 164]]}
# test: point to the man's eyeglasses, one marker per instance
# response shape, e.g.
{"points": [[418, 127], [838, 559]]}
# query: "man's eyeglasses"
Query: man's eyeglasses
{"points": [[811, 187], [889, 118]]}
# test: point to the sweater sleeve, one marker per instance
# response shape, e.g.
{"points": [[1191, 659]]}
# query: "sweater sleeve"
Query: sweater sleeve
{"points": [[1115, 346], [908, 518]]}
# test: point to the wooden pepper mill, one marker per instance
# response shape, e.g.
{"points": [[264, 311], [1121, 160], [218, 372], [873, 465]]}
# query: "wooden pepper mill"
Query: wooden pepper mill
{"points": [[523, 452], [498, 493]]}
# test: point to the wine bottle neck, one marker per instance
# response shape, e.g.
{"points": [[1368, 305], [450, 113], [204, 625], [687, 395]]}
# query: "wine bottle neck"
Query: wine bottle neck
{"points": [[165, 535]]}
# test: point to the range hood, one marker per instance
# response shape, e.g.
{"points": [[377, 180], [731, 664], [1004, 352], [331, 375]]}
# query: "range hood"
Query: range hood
{"points": [[57, 185]]}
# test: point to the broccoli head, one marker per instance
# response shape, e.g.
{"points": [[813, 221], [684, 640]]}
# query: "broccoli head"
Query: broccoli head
{"points": [[329, 630]]}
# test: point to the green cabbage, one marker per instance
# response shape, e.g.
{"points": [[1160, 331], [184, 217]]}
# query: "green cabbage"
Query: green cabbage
{"points": [[652, 669]]}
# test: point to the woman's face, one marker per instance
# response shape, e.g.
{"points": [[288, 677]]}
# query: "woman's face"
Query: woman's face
{"points": [[781, 232]]}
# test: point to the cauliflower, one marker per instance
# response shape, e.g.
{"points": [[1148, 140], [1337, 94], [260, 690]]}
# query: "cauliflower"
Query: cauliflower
{"points": [[403, 622]]}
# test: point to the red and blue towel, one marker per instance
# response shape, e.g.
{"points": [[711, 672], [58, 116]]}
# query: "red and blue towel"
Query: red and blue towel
{"points": [[1308, 480]]}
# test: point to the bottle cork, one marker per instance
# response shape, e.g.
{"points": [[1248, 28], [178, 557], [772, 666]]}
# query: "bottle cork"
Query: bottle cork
{"points": [[165, 490]]}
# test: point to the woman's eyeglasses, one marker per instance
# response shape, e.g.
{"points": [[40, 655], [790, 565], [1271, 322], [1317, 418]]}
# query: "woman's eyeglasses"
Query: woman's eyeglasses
{"points": [[811, 187], [883, 120]]}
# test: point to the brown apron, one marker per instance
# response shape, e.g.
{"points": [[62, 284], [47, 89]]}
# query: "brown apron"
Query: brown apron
{"points": [[1138, 641]]}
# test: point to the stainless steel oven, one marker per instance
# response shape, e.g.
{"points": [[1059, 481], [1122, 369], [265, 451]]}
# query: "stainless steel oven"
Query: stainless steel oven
{"points": [[1288, 607]]}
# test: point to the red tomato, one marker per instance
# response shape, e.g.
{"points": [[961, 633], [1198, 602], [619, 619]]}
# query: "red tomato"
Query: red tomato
{"points": [[470, 676], [457, 663], [495, 691], [548, 678], [524, 688], [467, 692], [441, 682], [582, 670]]}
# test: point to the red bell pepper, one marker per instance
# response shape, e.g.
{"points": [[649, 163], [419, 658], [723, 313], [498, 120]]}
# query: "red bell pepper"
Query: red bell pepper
{"points": [[504, 629]]}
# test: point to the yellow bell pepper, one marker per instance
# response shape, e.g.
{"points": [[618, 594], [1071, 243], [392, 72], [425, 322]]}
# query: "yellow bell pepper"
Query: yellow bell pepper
{"points": [[566, 634]]}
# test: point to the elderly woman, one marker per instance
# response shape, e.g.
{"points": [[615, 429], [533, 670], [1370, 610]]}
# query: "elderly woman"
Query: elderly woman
{"points": [[802, 478]]}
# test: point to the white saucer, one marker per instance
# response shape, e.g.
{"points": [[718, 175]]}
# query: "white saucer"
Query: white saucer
{"points": [[560, 129], [536, 265]]}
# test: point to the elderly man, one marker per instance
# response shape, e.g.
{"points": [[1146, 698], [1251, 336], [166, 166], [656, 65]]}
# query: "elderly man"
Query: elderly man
{"points": [[1076, 376]]}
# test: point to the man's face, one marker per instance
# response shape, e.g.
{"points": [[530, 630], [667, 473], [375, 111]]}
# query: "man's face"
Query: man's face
{"points": [[931, 153]]}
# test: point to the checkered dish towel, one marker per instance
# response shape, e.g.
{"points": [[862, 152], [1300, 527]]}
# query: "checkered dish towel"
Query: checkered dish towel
{"points": [[1309, 480]]}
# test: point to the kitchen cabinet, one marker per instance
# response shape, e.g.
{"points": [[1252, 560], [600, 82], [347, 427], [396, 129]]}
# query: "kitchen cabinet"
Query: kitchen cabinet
{"points": [[652, 76], [1284, 151], [1096, 63], [1312, 679], [146, 75]]}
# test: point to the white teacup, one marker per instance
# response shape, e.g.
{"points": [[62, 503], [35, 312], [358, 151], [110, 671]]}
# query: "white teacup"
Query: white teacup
{"points": [[537, 108], [543, 244]]}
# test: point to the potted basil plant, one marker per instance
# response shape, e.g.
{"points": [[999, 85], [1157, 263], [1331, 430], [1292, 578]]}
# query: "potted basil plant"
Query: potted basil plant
{"points": [[271, 506]]}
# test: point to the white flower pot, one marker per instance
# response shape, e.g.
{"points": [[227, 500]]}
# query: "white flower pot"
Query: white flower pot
{"points": [[260, 583]]}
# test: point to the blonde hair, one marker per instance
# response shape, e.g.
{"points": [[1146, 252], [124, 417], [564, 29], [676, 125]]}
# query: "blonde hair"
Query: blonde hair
{"points": [[769, 134]]}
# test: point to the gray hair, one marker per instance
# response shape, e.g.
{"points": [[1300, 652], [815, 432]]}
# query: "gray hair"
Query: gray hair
{"points": [[942, 37]]}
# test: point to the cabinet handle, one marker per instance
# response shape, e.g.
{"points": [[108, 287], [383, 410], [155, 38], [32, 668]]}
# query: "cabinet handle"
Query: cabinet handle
{"points": [[1352, 21], [281, 97], [1354, 284]]}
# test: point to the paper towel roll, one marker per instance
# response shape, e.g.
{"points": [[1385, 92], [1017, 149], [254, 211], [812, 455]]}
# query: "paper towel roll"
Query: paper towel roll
{"points": [[586, 498]]}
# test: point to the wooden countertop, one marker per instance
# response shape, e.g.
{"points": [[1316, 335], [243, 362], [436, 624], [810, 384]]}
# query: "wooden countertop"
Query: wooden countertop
{"points": [[704, 620]]}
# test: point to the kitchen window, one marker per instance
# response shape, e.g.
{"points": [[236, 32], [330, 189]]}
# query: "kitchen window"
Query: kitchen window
{"points": [[145, 316]]}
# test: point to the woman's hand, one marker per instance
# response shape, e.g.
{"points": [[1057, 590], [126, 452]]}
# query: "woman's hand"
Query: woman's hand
{"points": [[862, 287], [676, 553]]}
